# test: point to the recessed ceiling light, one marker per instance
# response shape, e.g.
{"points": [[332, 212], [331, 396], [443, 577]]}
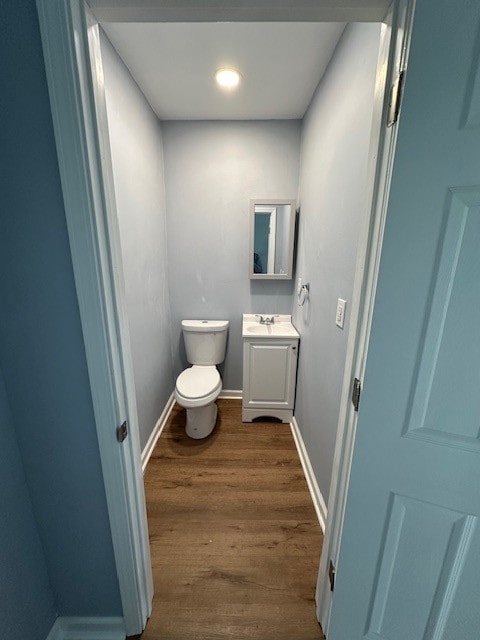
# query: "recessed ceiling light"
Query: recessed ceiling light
{"points": [[227, 78]]}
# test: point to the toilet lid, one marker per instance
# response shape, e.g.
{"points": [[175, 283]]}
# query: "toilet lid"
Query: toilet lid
{"points": [[198, 381]]}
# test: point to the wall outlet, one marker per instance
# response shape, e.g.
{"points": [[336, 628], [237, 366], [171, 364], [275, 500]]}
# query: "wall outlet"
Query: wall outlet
{"points": [[340, 315]]}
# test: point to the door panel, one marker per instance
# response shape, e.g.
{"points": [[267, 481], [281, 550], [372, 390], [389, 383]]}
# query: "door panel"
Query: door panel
{"points": [[269, 372], [410, 551], [448, 373], [270, 379], [440, 554]]}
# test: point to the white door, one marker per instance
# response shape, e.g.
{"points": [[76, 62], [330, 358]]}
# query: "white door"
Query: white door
{"points": [[409, 565]]}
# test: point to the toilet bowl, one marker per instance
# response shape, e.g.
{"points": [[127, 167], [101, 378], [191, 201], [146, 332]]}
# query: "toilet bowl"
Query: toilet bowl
{"points": [[196, 389], [199, 386]]}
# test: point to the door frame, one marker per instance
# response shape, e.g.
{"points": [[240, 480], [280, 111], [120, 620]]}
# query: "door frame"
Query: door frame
{"points": [[70, 43], [391, 69], [71, 50], [272, 232]]}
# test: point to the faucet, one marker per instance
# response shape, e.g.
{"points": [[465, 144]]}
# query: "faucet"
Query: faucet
{"points": [[266, 319]]}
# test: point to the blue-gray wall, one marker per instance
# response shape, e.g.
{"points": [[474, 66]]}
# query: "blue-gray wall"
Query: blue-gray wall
{"points": [[137, 158], [332, 197], [212, 170], [27, 607], [42, 353]]}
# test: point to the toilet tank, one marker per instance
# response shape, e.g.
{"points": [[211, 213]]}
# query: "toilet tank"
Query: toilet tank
{"points": [[205, 340]]}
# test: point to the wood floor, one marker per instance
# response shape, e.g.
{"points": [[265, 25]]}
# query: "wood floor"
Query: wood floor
{"points": [[235, 541]]}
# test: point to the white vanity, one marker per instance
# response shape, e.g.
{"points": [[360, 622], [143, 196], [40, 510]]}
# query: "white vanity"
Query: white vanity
{"points": [[270, 352]]}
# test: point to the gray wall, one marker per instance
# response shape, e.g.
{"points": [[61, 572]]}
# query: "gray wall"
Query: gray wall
{"points": [[27, 608], [42, 353], [212, 170], [335, 144], [137, 156]]}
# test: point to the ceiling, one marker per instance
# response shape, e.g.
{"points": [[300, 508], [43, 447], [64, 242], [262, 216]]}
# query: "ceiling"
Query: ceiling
{"points": [[174, 64], [239, 10]]}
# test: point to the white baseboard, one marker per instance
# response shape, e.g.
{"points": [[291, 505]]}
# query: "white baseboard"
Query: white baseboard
{"points": [[157, 430], [66, 628], [317, 498], [230, 394]]}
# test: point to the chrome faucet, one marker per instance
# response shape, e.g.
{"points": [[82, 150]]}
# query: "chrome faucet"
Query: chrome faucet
{"points": [[266, 319]]}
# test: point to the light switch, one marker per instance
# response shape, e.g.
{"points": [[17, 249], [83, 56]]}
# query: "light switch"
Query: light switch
{"points": [[340, 316], [299, 286]]}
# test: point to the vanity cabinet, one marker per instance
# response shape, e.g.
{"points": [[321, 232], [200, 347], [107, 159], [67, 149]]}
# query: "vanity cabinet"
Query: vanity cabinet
{"points": [[269, 377]]}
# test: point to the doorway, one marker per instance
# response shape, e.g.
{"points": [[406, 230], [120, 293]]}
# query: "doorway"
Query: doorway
{"points": [[264, 233], [123, 386]]}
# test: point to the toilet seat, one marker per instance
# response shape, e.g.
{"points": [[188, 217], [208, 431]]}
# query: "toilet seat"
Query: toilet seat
{"points": [[197, 386]]}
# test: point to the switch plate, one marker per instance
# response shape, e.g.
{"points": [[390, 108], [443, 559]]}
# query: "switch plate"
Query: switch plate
{"points": [[299, 286], [340, 315]]}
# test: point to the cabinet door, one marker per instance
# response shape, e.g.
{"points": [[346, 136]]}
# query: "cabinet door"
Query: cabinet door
{"points": [[269, 373]]}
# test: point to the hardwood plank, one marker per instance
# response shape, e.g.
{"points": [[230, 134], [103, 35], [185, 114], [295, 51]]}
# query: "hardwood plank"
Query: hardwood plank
{"points": [[242, 537], [235, 542]]}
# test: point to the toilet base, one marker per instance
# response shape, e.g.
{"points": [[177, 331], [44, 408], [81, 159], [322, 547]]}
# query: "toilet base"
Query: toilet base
{"points": [[201, 421]]}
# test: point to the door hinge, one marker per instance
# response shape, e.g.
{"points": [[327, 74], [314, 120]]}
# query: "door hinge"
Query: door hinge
{"points": [[122, 432], [331, 575], [356, 391], [396, 92]]}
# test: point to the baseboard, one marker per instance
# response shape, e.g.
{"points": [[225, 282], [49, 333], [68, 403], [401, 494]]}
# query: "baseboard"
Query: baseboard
{"points": [[230, 394], [162, 421], [317, 498], [66, 628], [157, 430]]}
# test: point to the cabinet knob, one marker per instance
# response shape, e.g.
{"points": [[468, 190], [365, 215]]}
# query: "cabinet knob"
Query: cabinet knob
{"points": [[294, 348]]}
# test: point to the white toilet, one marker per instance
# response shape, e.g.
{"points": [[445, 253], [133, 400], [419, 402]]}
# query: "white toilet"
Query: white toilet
{"points": [[199, 386]]}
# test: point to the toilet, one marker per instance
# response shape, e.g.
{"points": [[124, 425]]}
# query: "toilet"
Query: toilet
{"points": [[199, 386]]}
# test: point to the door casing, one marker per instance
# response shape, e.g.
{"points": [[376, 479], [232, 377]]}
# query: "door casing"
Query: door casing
{"points": [[75, 80], [392, 61]]}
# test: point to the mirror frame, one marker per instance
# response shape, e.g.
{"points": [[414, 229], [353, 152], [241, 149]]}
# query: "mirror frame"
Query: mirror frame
{"points": [[291, 232]]}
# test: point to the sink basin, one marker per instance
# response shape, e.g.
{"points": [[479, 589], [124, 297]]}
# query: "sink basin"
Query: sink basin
{"points": [[281, 328], [267, 329]]}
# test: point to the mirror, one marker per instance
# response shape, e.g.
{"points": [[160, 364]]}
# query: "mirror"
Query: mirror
{"points": [[272, 226]]}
